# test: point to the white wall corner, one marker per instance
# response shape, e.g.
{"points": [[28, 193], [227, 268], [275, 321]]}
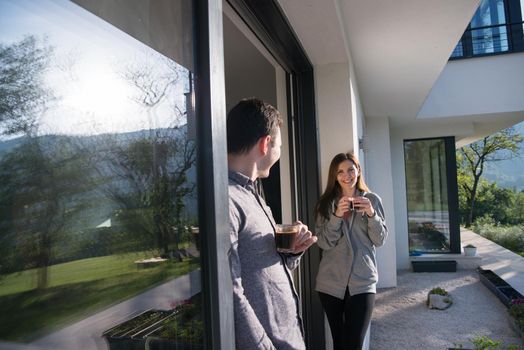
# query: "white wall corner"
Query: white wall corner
{"points": [[400, 200], [333, 102], [379, 177]]}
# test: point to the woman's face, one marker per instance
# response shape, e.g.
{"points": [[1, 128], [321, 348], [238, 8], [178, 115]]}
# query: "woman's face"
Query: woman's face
{"points": [[347, 174]]}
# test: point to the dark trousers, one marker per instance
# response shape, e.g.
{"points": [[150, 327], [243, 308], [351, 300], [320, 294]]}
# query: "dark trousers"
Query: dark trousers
{"points": [[348, 318]]}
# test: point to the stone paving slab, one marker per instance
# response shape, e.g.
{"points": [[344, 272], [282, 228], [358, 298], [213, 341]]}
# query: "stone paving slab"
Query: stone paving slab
{"points": [[506, 264]]}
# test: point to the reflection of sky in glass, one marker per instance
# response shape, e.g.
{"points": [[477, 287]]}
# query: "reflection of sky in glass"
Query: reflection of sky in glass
{"points": [[522, 9], [85, 73], [484, 17]]}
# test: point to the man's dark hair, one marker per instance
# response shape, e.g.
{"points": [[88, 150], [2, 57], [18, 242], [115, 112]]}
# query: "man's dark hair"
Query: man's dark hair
{"points": [[248, 121]]}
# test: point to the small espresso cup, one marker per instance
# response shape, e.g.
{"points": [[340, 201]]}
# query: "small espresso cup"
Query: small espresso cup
{"points": [[351, 204], [286, 236]]}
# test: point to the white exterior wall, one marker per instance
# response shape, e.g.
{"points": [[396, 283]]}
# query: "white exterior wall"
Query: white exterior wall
{"points": [[400, 210], [338, 116], [340, 124], [476, 86], [380, 180], [335, 124], [285, 171]]}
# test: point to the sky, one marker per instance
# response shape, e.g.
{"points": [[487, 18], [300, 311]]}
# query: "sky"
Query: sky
{"points": [[89, 58]]}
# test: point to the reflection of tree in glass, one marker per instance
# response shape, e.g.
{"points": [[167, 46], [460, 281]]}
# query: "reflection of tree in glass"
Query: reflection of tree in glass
{"points": [[148, 181], [27, 215], [155, 80], [23, 96], [40, 184], [43, 178], [150, 171], [425, 175]]}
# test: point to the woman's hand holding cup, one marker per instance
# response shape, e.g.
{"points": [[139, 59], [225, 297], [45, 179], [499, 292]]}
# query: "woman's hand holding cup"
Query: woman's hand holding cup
{"points": [[345, 204], [363, 205]]}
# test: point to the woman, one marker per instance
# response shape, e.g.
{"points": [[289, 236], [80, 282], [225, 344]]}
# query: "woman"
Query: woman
{"points": [[350, 224]]}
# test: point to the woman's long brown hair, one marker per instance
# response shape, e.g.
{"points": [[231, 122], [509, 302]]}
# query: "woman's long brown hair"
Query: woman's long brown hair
{"points": [[333, 189]]}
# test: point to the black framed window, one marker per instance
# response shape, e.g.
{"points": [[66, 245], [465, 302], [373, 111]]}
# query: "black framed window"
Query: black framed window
{"points": [[496, 27], [431, 192]]}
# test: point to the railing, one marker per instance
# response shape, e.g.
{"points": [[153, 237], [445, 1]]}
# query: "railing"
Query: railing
{"points": [[489, 40]]}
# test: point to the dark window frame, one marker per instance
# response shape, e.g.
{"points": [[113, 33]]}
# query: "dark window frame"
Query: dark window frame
{"points": [[267, 21], [452, 190], [514, 31], [213, 202]]}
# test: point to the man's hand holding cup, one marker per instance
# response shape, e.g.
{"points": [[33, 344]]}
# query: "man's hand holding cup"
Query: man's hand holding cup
{"points": [[293, 238]]}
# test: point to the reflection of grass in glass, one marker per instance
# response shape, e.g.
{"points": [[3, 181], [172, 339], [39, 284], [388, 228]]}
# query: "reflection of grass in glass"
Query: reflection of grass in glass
{"points": [[76, 289], [75, 271]]}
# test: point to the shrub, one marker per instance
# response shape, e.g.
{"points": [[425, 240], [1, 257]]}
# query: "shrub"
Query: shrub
{"points": [[516, 311], [482, 342], [439, 291], [510, 237], [187, 325]]}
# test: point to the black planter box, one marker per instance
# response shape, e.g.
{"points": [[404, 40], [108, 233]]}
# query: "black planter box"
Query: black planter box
{"points": [[131, 335], [499, 287], [434, 266], [177, 329], [154, 343]]}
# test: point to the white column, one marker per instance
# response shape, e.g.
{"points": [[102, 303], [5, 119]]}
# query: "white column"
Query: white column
{"points": [[333, 102], [378, 175]]}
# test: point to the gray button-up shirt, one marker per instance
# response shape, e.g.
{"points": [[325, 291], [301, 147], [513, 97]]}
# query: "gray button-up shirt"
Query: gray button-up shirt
{"points": [[265, 301]]}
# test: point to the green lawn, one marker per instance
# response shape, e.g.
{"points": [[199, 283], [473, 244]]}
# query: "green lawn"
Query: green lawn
{"points": [[76, 290]]}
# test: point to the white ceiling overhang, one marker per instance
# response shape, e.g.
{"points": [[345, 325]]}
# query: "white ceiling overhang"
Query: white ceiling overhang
{"points": [[398, 47]]}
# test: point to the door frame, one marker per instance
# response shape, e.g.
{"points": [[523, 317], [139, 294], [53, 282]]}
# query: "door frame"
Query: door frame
{"points": [[267, 21]]}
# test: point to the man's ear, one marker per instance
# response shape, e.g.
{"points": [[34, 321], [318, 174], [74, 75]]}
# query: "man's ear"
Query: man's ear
{"points": [[263, 144]]}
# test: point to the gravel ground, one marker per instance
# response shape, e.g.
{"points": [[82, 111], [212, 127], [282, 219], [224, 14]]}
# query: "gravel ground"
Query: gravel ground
{"points": [[401, 320]]}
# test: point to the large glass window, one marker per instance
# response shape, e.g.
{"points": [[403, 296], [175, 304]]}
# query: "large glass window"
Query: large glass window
{"points": [[98, 200], [427, 196], [488, 30], [496, 27]]}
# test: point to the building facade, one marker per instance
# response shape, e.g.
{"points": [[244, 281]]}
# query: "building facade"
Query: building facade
{"points": [[113, 155]]}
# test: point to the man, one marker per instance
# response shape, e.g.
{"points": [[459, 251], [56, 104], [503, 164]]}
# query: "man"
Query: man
{"points": [[265, 300]]}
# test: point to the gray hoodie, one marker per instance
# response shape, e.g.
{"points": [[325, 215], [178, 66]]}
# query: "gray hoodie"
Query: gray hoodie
{"points": [[348, 256], [265, 300]]}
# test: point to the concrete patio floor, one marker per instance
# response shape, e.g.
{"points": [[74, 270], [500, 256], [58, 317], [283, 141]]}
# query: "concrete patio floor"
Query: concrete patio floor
{"points": [[401, 319]]}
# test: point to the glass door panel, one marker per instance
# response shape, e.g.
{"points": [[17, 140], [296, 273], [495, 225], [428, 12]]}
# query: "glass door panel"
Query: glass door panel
{"points": [[98, 197], [427, 196]]}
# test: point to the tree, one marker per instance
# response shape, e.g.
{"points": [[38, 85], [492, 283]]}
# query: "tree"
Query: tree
{"points": [[517, 210], [495, 202], [472, 159]]}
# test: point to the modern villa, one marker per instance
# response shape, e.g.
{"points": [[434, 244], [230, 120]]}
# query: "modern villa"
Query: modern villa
{"points": [[123, 122]]}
